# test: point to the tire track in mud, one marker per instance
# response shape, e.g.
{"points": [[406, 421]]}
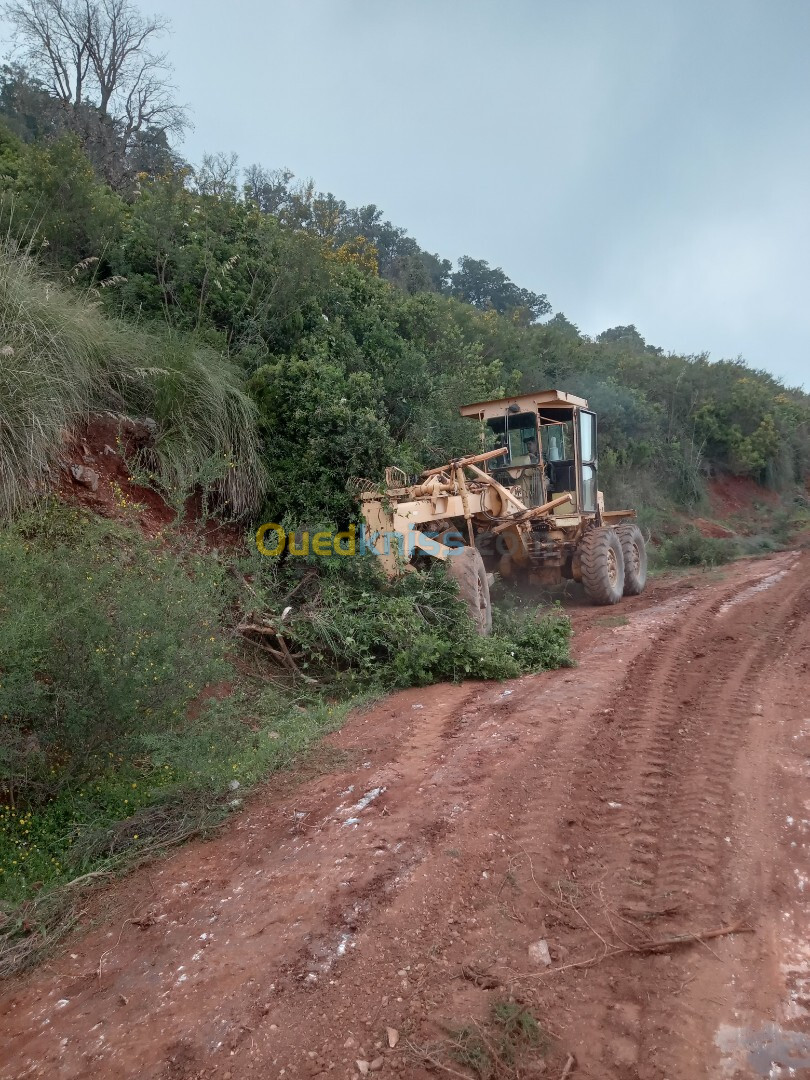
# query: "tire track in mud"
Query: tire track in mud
{"points": [[654, 833], [674, 718], [642, 812], [697, 738], [694, 861]]}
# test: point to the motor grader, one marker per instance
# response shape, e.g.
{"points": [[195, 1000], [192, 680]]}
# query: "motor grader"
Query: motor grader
{"points": [[528, 508]]}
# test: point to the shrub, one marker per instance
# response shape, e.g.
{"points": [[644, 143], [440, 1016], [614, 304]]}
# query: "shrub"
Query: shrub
{"points": [[690, 548], [414, 631], [104, 639]]}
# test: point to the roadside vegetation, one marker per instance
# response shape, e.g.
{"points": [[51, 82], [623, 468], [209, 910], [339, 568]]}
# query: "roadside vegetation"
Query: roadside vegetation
{"points": [[136, 714], [279, 343]]}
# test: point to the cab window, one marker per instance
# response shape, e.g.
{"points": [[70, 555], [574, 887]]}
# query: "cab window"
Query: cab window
{"points": [[518, 433]]}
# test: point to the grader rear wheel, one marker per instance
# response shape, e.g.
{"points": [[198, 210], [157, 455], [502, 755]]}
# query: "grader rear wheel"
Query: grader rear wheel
{"points": [[466, 567], [602, 561], [635, 558]]}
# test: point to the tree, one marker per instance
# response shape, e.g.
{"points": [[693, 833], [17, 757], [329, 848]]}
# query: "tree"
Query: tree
{"points": [[269, 189], [483, 286], [420, 272], [96, 60], [218, 175], [52, 201], [25, 106], [563, 325], [626, 337]]}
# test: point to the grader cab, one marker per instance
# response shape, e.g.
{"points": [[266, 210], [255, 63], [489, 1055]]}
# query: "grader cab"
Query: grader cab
{"points": [[528, 508]]}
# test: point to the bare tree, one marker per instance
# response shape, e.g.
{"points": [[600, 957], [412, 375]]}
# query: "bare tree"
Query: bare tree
{"points": [[99, 53], [52, 38], [217, 175]]}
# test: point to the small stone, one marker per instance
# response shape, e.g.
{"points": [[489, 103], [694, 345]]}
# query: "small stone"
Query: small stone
{"points": [[377, 1063], [393, 1037], [350, 1043], [86, 477], [233, 785], [362, 1067], [539, 953]]}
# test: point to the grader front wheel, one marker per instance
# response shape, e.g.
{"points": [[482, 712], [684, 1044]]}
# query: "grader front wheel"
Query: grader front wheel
{"points": [[466, 567], [602, 561]]}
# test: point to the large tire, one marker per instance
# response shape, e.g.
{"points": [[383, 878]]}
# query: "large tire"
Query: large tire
{"points": [[466, 567], [635, 558], [602, 563]]}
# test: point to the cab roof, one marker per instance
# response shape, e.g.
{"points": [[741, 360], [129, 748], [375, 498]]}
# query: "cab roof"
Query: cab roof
{"points": [[539, 399]]}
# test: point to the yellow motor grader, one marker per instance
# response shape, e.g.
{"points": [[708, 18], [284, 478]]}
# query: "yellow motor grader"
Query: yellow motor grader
{"points": [[529, 507]]}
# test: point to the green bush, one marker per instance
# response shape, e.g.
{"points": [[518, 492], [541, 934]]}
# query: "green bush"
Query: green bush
{"points": [[415, 631], [690, 548], [104, 639], [152, 791]]}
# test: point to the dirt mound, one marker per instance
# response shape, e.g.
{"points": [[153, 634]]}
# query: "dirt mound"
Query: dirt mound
{"points": [[712, 530], [734, 495], [96, 474]]}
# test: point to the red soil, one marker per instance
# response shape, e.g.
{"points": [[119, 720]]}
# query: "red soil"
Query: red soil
{"points": [[734, 495], [104, 446]]}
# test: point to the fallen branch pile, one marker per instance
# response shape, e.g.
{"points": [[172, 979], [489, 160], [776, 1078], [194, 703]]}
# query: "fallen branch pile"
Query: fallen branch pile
{"points": [[268, 635]]}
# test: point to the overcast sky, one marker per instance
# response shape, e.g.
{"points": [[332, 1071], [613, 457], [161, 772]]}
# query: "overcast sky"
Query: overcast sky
{"points": [[640, 161]]}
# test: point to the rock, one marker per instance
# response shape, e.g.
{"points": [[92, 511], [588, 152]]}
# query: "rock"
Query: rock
{"points": [[539, 953], [393, 1037], [143, 428], [377, 1063], [233, 785], [362, 1067], [86, 477], [350, 1042]]}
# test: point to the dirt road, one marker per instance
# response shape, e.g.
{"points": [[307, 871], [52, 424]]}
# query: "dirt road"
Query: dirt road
{"points": [[659, 789]]}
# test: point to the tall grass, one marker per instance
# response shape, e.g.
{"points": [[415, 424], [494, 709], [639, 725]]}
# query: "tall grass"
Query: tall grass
{"points": [[61, 359], [49, 360], [207, 430]]}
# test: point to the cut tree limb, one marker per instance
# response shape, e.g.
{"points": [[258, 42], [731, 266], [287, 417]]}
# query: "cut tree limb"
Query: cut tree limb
{"points": [[570, 1065], [648, 948]]}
